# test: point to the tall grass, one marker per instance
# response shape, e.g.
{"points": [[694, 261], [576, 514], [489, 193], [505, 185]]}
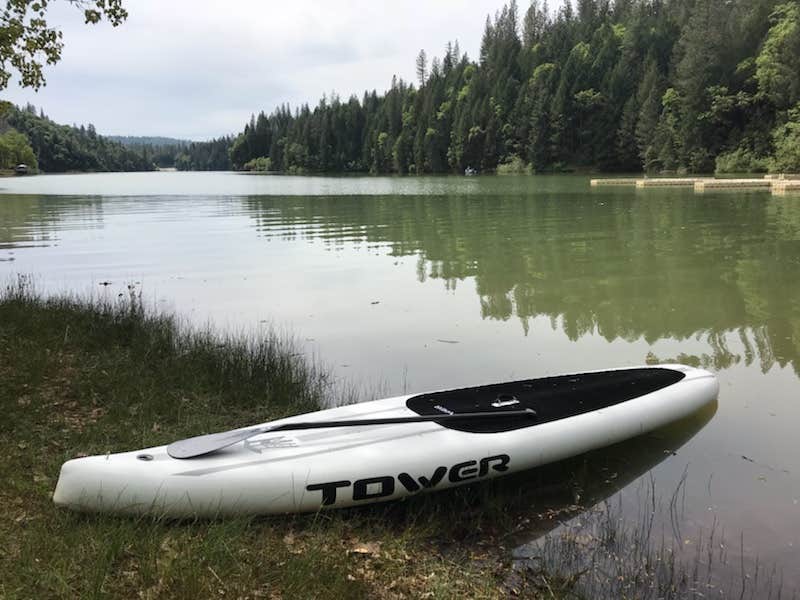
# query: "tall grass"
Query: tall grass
{"points": [[94, 375], [153, 371]]}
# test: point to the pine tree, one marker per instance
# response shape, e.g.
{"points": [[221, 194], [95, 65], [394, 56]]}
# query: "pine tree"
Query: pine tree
{"points": [[422, 67]]}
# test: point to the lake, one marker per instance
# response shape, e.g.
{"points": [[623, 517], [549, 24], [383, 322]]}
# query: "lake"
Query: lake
{"points": [[412, 284]]}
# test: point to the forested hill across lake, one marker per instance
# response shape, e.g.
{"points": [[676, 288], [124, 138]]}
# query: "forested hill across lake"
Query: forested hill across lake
{"points": [[30, 137], [629, 85]]}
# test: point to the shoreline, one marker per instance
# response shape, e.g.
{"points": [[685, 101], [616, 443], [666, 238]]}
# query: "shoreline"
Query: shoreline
{"points": [[89, 377], [82, 376]]}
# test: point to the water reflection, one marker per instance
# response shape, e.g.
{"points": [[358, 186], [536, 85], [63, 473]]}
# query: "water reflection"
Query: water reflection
{"points": [[619, 265], [616, 264], [643, 547], [565, 490], [35, 221], [545, 510]]}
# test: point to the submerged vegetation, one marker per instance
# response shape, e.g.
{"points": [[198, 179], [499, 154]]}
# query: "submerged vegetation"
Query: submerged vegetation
{"points": [[607, 556]]}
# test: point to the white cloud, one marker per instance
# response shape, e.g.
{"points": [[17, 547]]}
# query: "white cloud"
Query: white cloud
{"points": [[198, 68]]}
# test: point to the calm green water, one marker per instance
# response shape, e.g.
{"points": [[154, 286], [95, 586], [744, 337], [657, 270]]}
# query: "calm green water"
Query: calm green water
{"points": [[417, 284]]}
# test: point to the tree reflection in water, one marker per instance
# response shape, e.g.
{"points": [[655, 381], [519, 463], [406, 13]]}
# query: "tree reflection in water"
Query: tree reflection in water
{"points": [[619, 264]]}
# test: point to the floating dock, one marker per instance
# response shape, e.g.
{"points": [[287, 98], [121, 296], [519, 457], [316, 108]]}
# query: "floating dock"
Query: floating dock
{"points": [[667, 182], [732, 184], [619, 181], [785, 186], [779, 183]]}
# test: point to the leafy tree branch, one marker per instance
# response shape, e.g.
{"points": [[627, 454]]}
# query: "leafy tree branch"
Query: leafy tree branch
{"points": [[28, 42]]}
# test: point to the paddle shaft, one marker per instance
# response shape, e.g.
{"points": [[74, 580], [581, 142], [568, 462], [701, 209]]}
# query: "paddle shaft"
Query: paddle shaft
{"points": [[207, 444], [394, 420]]}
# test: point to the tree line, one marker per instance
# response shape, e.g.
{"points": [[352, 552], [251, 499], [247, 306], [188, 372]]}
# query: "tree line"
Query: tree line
{"points": [[55, 148], [28, 136], [628, 85]]}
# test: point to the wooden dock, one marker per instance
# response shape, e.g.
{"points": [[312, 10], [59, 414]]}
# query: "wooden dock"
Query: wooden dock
{"points": [[667, 182], [785, 186], [647, 182], [619, 181], [732, 184], [779, 183]]}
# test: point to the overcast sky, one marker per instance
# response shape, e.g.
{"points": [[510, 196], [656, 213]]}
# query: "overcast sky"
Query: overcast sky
{"points": [[197, 69]]}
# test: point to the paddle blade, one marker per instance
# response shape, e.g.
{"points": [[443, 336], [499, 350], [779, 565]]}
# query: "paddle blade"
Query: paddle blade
{"points": [[206, 444]]}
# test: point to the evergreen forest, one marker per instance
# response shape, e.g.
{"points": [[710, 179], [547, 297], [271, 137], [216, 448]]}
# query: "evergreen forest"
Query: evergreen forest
{"points": [[55, 148], [630, 85], [184, 155]]}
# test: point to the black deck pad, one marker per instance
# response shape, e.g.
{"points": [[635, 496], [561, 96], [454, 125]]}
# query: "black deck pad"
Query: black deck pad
{"points": [[552, 398]]}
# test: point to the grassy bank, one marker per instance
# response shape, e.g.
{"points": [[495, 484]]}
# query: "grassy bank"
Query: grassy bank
{"points": [[84, 377], [89, 377]]}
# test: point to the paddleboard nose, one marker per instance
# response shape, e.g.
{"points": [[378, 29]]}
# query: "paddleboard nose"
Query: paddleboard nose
{"points": [[64, 494], [84, 483]]}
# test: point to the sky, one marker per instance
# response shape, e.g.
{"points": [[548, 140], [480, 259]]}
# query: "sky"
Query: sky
{"points": [[197, 69]]}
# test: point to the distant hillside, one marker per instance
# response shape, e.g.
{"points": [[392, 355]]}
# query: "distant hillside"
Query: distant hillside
{"points": [[136, 141], [184, 155], [61, 148]]}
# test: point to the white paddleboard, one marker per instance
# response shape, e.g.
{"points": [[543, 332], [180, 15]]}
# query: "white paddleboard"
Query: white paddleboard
{"points": [[305, 470]]}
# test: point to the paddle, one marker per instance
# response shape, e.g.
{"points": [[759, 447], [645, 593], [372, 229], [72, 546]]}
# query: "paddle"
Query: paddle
{"points": [[206, 444]]}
